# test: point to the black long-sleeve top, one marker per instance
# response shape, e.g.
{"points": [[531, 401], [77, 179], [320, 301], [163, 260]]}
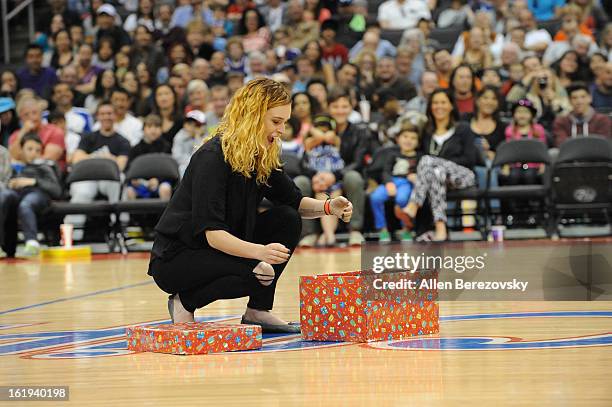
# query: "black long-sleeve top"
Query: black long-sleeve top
{"points": [[213, 197], [459, 148]]}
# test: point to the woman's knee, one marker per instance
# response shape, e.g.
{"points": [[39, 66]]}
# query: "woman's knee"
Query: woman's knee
{"points": [[287, 217]]}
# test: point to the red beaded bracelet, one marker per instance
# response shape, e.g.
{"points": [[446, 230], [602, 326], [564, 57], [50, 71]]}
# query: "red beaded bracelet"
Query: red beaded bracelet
{"points": [[326, 206]]}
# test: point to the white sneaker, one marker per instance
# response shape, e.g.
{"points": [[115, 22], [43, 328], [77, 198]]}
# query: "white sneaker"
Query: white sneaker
{"points": [[308, 241], [32, 248], [355, 238]]}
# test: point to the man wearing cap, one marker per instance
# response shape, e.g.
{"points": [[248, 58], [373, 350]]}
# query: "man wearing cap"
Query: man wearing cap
{"points": [[34, 76], [188, 138], [107, 27]]}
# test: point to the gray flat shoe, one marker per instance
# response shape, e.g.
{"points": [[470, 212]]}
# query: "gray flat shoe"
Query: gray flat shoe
{"points": [[290, 328]]}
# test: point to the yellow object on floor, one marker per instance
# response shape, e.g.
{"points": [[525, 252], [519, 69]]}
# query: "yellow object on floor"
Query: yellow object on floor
{"points": [[62, 253]]}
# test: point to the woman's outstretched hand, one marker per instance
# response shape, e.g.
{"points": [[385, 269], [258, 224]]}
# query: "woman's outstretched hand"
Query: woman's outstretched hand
{"points": [[342, 208], [273, 253]]}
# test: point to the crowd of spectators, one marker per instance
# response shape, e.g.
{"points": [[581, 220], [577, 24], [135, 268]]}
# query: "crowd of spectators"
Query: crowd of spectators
{"points": [[122, 78]]}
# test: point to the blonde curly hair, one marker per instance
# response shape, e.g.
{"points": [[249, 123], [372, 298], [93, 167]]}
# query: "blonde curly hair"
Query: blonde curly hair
{"points": [[241, 129]]}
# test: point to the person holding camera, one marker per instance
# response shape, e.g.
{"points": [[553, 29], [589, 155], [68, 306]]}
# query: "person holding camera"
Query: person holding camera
{"points": [[548, 96]]}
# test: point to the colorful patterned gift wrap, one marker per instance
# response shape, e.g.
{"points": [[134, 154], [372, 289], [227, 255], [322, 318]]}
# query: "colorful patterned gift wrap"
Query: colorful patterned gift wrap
{"points": [[193, 338], [354, 306]]}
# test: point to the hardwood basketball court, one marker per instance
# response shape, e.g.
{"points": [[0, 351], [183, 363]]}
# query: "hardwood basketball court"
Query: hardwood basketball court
{"points": [[61, 324]]}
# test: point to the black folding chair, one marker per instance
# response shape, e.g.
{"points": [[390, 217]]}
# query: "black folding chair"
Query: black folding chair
{"points": [[521, 151], [582, 179], [156, 165], [447, 37], [93, 169]]}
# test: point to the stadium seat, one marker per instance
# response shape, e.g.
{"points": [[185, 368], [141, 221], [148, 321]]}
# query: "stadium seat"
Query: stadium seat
{"points": [[393, 36], [446, 37], [156, 165], [521, 151], [582, 178], [94, 169]]}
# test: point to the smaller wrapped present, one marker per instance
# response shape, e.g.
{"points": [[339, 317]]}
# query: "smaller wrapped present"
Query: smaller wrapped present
{"points": [[193, 338]]}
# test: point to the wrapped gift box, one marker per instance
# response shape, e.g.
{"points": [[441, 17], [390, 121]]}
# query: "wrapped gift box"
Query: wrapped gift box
{"points": [[193, 338], [347, 307]]}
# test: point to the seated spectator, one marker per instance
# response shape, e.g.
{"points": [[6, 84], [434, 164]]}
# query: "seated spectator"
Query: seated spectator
{"points": [[355, 142], [317, 89], [78, 120], [34, 76], [592, 15], [188, 138], [476, 54], [449, 157], [399, 176], [531, 67], [583, 120], [128, 126], [332, 52], [402, 14], [5, 202], [605, 42], [193, 9], [252, 28], [71, 139], [8, 120], [236, 60], [145, 50], [144, 16], [429, 83], [219, 98], [536, 39], [366, 63], [567, 68], [321, 156], [289, 144], [545, 10], [524, 126], [459, 14], [151, 142], [105, 83], [197, 95], [387, 79], [463, 87], [548, 97], [107, 143], [30, 114], [601, 89], [488, 132], [570, 28], [9, 83], [304, 107], [303, 24], [62, 54], [31, 189], [372, 42], [107, 27], [87, 71], [103, 57], [443, 65], [492, 41]]}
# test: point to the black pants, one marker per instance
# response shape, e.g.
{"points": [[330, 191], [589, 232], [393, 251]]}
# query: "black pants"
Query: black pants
{"points": [[201, 276]]}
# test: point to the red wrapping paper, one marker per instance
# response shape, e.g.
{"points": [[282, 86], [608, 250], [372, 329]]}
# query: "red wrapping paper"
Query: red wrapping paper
{"points": [[193, 338], [339, 307]]}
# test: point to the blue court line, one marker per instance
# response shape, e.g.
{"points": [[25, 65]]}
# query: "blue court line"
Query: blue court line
{"points": [[76, 297]]}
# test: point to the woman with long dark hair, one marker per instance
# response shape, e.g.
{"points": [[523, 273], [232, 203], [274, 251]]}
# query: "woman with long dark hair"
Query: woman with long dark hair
{"points": [[105, 83], [450, 156], [167, 106], [211, 242], [252, 28], [304, 107], [488, 132]]}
